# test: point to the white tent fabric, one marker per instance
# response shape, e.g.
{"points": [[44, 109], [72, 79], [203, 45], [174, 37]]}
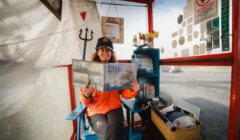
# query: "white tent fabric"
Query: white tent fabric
{"points": [[31, 33], [36, 112], [32, 42]]}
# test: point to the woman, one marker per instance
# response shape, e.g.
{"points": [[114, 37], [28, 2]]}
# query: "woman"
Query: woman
{"points": [[104, 110]]}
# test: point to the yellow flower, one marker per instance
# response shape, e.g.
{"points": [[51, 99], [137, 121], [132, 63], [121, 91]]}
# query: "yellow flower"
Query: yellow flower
{"points": [[147, 36]]}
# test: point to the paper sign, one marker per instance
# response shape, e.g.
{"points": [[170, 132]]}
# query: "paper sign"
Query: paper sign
{"points": [[204, 10]]}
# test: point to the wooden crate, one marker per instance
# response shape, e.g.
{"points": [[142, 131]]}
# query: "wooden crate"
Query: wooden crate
{"points": [[192, 133]]}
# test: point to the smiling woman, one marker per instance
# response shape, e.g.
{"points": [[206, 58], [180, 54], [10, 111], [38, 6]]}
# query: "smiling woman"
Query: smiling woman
{"points": [[104, 110], [104, 54], [104, 51]]}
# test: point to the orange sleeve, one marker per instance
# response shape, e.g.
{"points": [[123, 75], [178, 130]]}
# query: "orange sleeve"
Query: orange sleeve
{"points": [[127, 93], [83, 99]]}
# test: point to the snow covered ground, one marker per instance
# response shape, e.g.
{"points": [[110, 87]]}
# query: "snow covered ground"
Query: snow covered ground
{"points": [[207, 88]]}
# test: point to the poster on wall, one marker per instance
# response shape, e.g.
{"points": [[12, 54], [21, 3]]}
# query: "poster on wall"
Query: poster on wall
{"points": [[113, 27], [211, 34], [205, 10]]}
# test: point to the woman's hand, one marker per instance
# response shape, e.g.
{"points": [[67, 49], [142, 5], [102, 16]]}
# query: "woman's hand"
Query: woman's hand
{"points": [[87, 92], [135, 86]]}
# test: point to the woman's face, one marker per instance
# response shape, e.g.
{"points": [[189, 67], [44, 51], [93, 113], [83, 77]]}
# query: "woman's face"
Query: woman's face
{"points": [[104, 54]]}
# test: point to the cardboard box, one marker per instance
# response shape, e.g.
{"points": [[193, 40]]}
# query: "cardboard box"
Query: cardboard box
{"points": [[192, 133]]}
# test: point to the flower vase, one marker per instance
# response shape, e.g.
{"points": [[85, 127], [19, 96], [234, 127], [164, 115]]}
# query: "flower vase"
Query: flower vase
{"points": [[150, 43]]}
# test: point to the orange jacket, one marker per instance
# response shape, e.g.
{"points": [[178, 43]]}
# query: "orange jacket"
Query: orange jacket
{"points": [[103, 102]]}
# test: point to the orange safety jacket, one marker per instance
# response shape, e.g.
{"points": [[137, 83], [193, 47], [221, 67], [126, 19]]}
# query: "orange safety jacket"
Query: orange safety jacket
{"points": [[103, 102]]}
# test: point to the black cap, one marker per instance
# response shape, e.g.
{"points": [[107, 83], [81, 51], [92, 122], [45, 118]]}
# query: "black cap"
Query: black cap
{"points": [[104, 42]]}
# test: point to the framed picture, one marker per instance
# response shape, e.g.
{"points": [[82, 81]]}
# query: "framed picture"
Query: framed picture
{"points": [[112, 27], [55, 6]]}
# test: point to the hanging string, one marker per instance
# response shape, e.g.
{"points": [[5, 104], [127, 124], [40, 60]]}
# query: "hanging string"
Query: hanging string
{"points": [[109, 9], [116, 9]]}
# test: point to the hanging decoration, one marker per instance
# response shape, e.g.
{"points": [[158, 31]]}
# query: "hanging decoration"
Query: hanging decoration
{"points": [[113, 28], [85, 40], [83, 15]]}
